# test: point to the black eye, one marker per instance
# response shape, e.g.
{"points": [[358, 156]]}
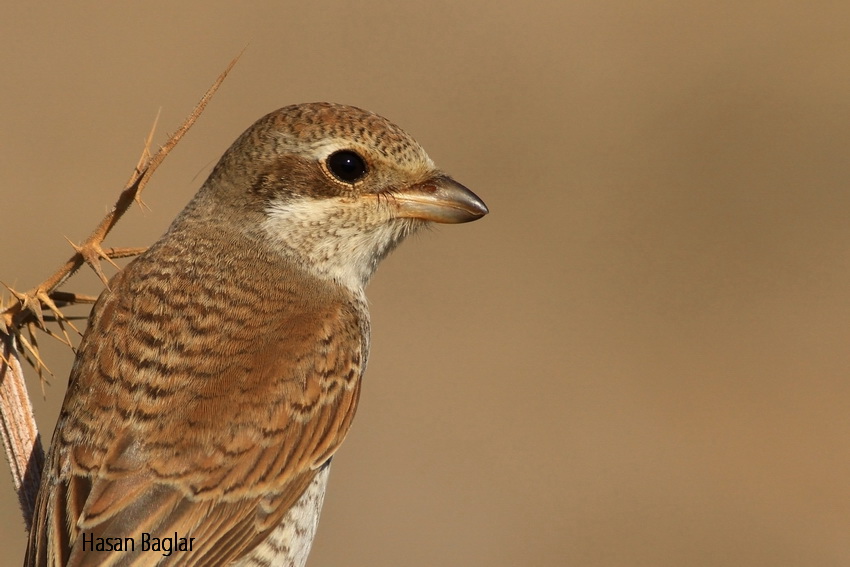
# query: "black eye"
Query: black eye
{"points": [[346, 166]]}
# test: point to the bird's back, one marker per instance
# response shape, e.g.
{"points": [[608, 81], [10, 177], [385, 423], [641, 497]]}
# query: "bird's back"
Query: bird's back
{"points": [[223, 398]]}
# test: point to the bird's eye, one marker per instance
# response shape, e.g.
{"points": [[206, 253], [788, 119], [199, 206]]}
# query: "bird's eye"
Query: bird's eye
{"points": [[346, 166]]}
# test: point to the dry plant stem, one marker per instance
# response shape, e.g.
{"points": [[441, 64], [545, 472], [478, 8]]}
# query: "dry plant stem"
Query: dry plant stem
{"points": [[90, 250], [20, 433]]}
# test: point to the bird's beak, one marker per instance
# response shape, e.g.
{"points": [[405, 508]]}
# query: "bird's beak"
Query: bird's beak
{"points": [[441, 199]]}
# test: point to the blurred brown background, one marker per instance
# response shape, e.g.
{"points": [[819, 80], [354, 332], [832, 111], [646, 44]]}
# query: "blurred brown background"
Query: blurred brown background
{"points": [[639, 358]]}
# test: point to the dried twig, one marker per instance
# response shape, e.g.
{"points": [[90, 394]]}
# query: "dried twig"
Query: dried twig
{"points": [[20, 435], [26, 311]]}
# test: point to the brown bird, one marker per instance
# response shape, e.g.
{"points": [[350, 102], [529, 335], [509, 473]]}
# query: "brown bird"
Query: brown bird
{"points": [[221, 369]]}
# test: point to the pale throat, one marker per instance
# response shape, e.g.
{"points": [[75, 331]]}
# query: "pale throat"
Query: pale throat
{"points": [[342, 239]]}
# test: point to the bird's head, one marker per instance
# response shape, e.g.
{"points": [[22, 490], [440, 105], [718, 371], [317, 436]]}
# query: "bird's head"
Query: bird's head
{"points": [[334, 187]]}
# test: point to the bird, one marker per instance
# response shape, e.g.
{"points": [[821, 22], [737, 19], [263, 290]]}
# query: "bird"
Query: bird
{"points": [[220, 369]]}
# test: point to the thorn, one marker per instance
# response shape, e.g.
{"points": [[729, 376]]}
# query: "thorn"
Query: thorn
{"points": [[64, 340], [17, 295], [60, 319], [92, 253], [35, 307], [142, 205], [31, 350], [28, 303], [149, 139]]}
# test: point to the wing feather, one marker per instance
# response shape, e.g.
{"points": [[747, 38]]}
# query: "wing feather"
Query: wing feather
{"points": [[174, 424]]}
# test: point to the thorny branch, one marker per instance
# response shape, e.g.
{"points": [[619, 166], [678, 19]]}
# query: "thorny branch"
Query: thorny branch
{"points": [[26, 312]]}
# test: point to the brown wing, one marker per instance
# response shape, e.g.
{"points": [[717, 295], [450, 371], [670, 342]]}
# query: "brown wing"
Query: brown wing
{"points": [[197, 413]]}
